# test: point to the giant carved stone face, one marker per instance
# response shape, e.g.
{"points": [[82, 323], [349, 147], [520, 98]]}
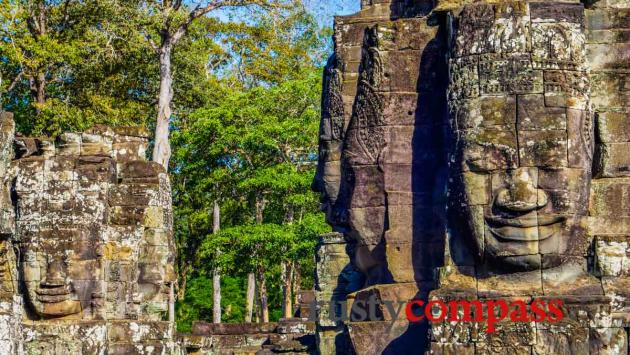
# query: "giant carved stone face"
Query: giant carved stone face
{"points": [[379, 162], [61, 213], [519, 99]]}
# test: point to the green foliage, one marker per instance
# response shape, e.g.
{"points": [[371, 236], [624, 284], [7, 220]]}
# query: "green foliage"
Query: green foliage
{"points": [[87, 68], [256, 144], [97, 66], [246, 248], [275, 46], [197, 303], [260, 140]]}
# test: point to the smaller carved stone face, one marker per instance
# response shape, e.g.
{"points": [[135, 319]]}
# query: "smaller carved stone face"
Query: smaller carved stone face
{"points": [[376, 178], [155, 269], [347, 166], [61, 271], [360, 211]]}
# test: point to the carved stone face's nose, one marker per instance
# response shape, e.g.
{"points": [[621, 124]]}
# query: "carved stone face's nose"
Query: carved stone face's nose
{"points": [[521, 194], [150, 273], [55, 274]]}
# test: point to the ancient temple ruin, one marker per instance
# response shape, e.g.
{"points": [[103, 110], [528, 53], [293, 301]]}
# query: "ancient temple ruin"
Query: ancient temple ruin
{"points": [[474, 151], [470, 151]]}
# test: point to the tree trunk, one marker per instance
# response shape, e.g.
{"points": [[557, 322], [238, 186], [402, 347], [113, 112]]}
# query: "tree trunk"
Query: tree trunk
{"points": [[185, 268], [38, 91], [181, 291], [37, 26], [251, 287], [297, 278], [289, 216], [216, 217], [251, 277], [287, 275], [162, 148], [287, 271], [216, 296], [216, 273], [40, 84], [260, 207], [262, 297]]}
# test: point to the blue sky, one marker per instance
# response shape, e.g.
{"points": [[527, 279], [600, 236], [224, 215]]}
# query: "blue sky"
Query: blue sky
{"points": [[324, 10], [327, 9]]}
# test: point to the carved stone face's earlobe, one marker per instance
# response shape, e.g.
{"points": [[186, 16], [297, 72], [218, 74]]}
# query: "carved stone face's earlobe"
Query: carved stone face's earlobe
{"points": [[8, 274], [327, 181], [152, 261], [7, 177]]}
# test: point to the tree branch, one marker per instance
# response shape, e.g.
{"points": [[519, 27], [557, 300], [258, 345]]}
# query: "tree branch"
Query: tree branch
{"points": [[152, 43], [15, 81], [199, 11], [194, 14], [66, 15]]}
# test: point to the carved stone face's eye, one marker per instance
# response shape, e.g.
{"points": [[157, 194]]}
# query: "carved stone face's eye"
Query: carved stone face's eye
{"points": [[488, 150], [543, 148], [476, 162]]}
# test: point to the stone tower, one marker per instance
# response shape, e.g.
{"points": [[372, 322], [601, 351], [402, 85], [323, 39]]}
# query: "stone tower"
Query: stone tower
{"points": [[87, 249], [475, 151]]}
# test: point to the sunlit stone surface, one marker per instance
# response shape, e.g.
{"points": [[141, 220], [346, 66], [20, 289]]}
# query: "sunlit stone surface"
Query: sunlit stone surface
{"points": [[469, 150], [475, 150]]}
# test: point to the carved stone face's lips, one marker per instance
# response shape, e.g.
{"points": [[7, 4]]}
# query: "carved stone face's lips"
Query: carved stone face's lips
{"points": [[524, 229], [524, 222], [53, 294]]}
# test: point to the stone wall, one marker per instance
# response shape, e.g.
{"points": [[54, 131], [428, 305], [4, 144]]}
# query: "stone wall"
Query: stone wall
{"points": [[336, 278], [293, 336]]}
